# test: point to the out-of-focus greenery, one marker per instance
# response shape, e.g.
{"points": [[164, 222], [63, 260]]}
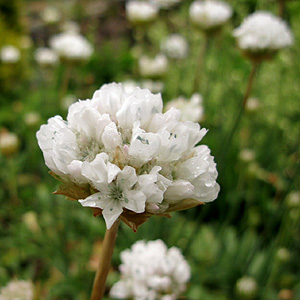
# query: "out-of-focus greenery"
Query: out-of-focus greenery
{"points": [[252, 229]]}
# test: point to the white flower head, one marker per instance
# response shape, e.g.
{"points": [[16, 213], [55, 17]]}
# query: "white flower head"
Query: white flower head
{"points": [[71, 46], [175, 46], [139, 12], [46, 56], [9, 143], [21, 290], [246, 287], [10, 54], [153, 67], [51, 15], [263, 31], [128, 157], [192, 109], [149, 270], [210, 14]]}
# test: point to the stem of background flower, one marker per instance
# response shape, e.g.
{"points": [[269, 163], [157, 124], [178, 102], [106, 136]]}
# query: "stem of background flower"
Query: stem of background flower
{"points": [[281, 8], [199, 66], [65, 82], [105, 260], [228, 140]]}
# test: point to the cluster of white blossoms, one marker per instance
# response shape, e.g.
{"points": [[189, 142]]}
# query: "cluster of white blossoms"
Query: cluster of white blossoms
{"points": [[139, 12], [127, 156], [10, 54], [175, 46], [151, 271], [51, 15], [192, 109], [263, 31], [153, 67], [46, 56], [71, 46], [209, 14], [17, 290]]}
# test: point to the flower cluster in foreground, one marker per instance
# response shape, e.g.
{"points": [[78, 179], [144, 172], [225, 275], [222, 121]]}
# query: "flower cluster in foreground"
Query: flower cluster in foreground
{"points": [[119, 154], [17, 290], [151, 271], [263, 31], [210, 14]]}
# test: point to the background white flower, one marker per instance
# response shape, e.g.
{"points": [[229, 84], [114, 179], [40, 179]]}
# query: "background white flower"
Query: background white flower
{"points": [[209, 14], [71, 45], [10, 54], [141, 11], [133, 157], [263, 31], [149, 270], [153, 67], [46, 56], [192, 109], [17, 290], [175, 46]]}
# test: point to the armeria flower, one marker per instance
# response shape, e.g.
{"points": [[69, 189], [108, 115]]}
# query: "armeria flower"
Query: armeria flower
{"points": [[151, 271], [141, 12], [119, 154], [10, 54], [263, 32], [51, 15], [210, 14], [71, 46], [21, 290], [175, 46], [46, 56], [153, 67], [9, 143], [246, 288], [192, 109]]}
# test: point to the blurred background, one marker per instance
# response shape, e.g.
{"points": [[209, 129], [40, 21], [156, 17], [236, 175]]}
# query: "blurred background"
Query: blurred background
{"points": [[246, 244]]}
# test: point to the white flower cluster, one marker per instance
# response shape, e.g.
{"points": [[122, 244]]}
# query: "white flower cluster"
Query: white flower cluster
{"points": [[141, 11], [192, 109], [46, 56], [17, 290], [175, 46], [263, 31], [153, 67], [132, 156], [209, 14], [10, 54], [51, 15], [72, 46], [151, 271]]}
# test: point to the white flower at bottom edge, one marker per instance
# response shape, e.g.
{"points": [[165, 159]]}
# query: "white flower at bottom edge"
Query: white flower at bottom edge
{"points": [[116, 189]]}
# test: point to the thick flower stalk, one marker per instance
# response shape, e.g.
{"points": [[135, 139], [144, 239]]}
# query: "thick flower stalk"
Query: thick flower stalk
{"points": [[119, 154], [149, 270]]}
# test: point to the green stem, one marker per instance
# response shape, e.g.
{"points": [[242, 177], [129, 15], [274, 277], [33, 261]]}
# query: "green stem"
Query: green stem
{"points": [[65, 82], [105, 261], [199, 66], [228, 140]]}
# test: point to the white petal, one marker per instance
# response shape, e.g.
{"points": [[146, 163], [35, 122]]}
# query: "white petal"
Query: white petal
{"points": [[181, 189], [111, 212], [111, 137]]}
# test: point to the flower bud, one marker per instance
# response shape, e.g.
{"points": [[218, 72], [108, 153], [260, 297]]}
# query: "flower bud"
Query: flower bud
{"points": [[9, 143]]}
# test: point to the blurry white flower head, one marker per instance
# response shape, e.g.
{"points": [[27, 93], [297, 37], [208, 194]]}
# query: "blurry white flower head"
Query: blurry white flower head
{"points": [[191, 109], [124, 158], [155, 86], [151, 271], [175, 46], [51, 15], [252, 105], [71, 26], [140, 12], [10, 54], [9, 143], [165, 4], [210, 14], [247, 155], [46, 56], [263, 32], [17, 290], [32, 118], [68, 100], [71, 46], [293, 199], [246, 287], [153, 67], [283, 255]]}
